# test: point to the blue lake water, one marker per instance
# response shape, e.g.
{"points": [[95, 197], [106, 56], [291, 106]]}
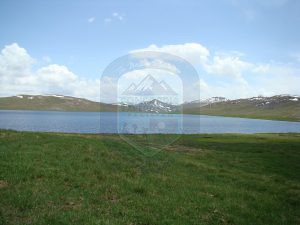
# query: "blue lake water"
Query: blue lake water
{"points": [[112, 122]]}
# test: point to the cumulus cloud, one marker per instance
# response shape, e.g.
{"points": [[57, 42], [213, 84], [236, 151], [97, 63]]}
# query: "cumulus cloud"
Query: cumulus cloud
{"points": [[228, 75], [261, 68], [159, 64], [18, 77], [194, 53], [231, 75], [15, 61], [56, 74], [229, 66]]}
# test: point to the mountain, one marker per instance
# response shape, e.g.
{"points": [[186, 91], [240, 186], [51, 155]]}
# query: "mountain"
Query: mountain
{"points": [[68, 103], [155, 106], [279, 107], [149, 86], [53, 103], [204, 102]]}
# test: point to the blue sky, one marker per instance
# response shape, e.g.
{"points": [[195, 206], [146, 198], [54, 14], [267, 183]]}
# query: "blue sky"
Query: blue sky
{"points": [[85, 36]]}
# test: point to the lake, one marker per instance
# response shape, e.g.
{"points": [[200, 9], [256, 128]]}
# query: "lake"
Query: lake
{"points": [[113, 122]]}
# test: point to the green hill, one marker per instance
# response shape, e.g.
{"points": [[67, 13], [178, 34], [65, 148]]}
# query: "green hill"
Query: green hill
{"points": [[276, 108], [55, 103]]}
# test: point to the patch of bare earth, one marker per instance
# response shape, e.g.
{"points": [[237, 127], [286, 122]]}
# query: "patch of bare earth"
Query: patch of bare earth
{"points": [[3, 184], [181, 148]]}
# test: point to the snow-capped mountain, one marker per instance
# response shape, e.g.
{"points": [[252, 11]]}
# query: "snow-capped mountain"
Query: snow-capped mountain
{"points": [[204, 102], [149, 86], [269, 102], [155, 106], [278, 107], [32, 97]]}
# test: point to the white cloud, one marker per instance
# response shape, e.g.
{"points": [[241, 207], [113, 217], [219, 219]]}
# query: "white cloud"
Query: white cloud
{"points": [[228, 66], [194, 53], [135, 75], [202, 85], [18, 77], [225, 75], [91, 19], [279, 79], [230, 75], [117, 16], [56, 75], [15, 61], [265, 79], [159, 74], [262, 68], [159, 64], [114, 17]]}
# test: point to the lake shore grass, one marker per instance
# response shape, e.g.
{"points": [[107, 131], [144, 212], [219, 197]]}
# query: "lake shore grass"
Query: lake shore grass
{"points": [[51, 178]]}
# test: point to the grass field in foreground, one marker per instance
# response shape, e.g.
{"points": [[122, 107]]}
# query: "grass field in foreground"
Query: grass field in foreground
{"points": [[199, 179]]}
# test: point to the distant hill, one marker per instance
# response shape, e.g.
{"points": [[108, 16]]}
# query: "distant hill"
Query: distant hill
{"points": [[279, 107], [203, 102], [53, 102]]}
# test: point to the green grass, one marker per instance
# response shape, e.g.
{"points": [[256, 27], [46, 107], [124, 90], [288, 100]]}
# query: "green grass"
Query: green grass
{"points": [[100, 179]]}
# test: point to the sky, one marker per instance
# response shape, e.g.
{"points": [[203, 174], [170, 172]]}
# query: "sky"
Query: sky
{"points": [[239, 48]]}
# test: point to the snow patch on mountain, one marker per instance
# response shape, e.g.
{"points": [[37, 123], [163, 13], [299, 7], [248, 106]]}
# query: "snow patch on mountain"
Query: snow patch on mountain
{"points": [[155, 106]]}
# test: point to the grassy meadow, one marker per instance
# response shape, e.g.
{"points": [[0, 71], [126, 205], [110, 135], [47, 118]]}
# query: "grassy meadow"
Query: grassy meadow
{"points": [[48, 178]]}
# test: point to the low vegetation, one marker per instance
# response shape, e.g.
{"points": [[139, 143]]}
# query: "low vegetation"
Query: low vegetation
{"points": [[100, 179], [280, 107], [272, 108], [53, 103]]}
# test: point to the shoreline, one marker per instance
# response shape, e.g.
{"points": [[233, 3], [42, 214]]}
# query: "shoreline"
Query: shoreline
{"points": [[193, 114]]}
